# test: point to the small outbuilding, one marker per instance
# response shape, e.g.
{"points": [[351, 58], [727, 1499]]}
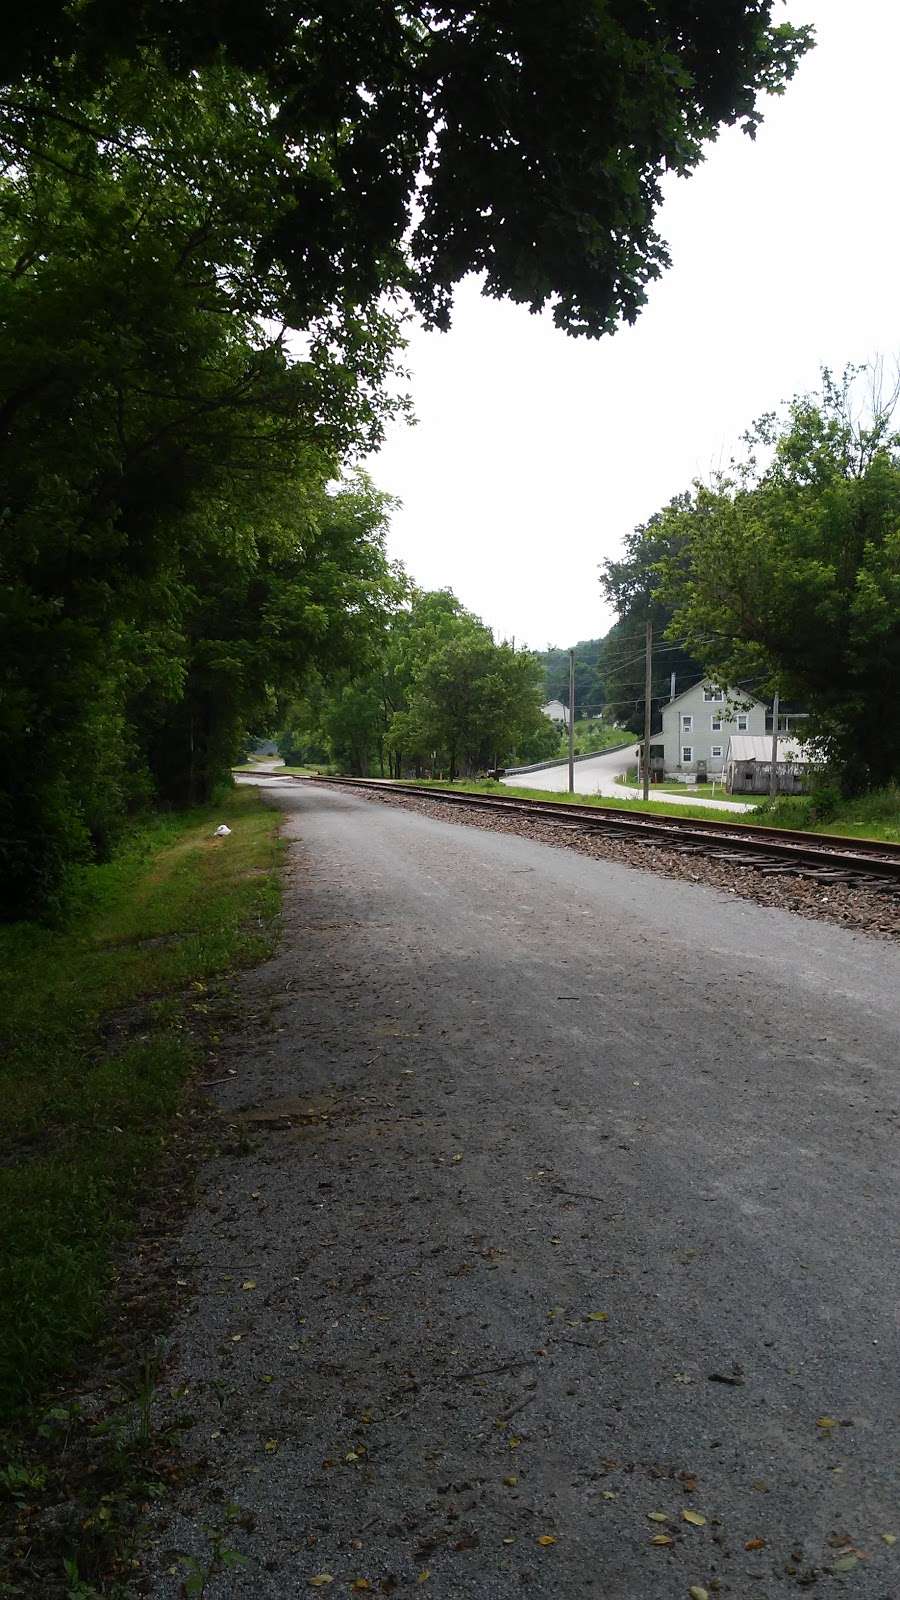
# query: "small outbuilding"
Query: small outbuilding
{"points": [[556, 711], [748, 765]]}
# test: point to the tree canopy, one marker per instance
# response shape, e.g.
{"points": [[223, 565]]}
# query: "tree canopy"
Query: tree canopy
{"points": [[405, 145], [789, 572], [440, 696], [633, 585], [783, 574], [213, 220]]}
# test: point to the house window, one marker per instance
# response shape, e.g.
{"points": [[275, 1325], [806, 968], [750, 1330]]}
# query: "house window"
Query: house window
{"points": [[710, 692], [715, 722], [715, 752], [743, 721], [687, 724], [687, 754]]}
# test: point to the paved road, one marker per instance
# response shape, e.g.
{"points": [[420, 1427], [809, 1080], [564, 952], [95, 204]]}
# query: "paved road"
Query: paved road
{"points": [[566, 1199], [598, 776]]}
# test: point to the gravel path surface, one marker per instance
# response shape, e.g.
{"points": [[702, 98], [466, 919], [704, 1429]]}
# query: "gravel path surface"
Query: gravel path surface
{"points": [[866, 910], [556, 1251]]}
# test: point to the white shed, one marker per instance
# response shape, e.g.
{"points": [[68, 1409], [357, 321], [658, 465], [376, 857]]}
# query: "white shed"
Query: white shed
{"points": [[748, 765]]}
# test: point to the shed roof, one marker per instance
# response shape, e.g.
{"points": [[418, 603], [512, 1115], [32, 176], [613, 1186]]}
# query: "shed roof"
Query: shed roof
{"points": [[758, 747]]}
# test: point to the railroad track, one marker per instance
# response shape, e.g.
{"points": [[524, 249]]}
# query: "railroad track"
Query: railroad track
{"points": [[810, 855]]}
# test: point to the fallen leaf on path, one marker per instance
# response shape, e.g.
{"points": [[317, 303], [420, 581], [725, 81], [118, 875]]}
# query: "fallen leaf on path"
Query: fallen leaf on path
{"points": [[760, 1485], [608, 1495], [513, 1444], [511, 1481], [271, 1445], [458, 1157], [889, 1538], [682, 1377], [697, 1592], [598, 1316], [249, 1283], [662, 1539], [424, 1575], [755, 1544], [361, 1583], [846, 1564], [546, 1538], [658, 1516], [826, 1422], [321, 1580], [694, 1518]]}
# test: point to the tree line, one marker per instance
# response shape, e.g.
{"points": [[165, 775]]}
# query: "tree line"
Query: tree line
{"points": [[440, 698], [210, 236]]}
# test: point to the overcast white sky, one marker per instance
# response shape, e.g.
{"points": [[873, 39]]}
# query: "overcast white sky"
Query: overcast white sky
{"points": [[535, 453]]}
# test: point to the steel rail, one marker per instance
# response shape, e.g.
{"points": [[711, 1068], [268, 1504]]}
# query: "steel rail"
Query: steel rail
{"points": [[868, 859]]}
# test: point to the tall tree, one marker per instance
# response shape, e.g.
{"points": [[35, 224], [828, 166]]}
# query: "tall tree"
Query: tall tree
{"points": [[633, 585], [409, 144], [789, 572]]}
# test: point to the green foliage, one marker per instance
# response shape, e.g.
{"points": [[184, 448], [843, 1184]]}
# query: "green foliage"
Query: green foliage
{"points": [[542, 133], [592, 737], [633, 585], [439, 695], [590, 691], [787, 572], [92, 1069], [179, 191], [874, 815]]}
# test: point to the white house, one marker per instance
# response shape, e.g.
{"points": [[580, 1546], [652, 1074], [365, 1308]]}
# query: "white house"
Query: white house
{"points": [[556, 711], [748, 765], [696, 728]]}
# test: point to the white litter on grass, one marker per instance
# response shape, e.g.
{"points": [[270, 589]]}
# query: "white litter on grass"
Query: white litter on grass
{"points": [[222, 832]]}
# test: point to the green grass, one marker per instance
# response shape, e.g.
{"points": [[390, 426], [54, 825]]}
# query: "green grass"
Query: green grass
{"points": [[98, 1038], [707, 791], [296, 772], [872, 816], [490, 786], [591, 738], [869, 816]]}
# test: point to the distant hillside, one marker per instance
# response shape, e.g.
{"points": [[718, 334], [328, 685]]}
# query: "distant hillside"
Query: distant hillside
{"points": [[589, 692], [609, 673]]}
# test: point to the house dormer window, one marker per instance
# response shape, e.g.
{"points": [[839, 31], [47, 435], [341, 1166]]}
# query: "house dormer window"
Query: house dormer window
{"points": [[712, 692]]}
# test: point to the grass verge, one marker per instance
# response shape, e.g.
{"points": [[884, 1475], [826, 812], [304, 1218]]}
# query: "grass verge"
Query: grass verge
{"points": [[99, 1036], [872, 816], [652, 807]]}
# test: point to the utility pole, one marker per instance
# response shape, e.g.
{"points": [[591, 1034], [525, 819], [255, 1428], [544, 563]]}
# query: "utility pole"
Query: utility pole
{"points": [[648, 684], [672, 687], [571, 721], [773, 776]]}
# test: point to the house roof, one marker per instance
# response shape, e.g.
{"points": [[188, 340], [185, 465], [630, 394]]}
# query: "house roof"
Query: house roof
{"points": [[743, 694], [758, 747]]}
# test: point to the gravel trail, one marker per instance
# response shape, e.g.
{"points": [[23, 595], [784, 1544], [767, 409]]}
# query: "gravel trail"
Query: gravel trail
{"points": [[558, 1202]]}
